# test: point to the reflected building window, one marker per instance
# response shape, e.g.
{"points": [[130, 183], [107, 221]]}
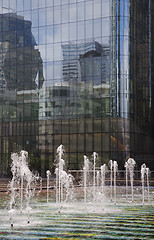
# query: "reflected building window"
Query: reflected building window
{"points": [[22, 59], [86, 62]]}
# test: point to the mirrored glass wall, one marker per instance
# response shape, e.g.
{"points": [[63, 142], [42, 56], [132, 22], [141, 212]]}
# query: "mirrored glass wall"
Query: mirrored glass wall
{"points": [[77, 73]]}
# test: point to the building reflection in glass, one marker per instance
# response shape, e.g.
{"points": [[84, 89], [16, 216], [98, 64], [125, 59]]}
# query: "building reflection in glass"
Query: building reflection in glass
{"points": [[77, 74]]}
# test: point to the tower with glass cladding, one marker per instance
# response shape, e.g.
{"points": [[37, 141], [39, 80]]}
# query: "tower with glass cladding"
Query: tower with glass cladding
{"points": [[77, 73]]}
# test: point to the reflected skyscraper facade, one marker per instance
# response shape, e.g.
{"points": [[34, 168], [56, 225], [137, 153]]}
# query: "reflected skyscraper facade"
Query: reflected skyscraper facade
{"points": [[77, 73]]}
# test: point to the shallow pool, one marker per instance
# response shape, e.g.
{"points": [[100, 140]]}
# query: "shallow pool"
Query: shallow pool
{"points": [[78, 221]]}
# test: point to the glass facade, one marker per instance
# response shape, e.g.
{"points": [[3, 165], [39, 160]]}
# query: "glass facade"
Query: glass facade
{"points": [[77, 73]]}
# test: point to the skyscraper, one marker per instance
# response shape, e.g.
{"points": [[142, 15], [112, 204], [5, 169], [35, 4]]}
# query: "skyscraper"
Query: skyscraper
{"points": [[77, 73]]}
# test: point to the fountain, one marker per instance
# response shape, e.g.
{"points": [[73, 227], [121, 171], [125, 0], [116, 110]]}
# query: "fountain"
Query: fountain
{"points": [[111, 169], [22, 179], [85, 176], [59, 173], [48, 179], [148, 186], [97, 181], [64, 181], [95, 157], [115, 169], [92, 209], [126, 166], [144, 172], [129, 165], [103, 172], [22, 186]]}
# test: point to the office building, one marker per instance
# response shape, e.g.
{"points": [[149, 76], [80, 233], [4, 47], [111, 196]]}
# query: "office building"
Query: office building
{"points": [[78, 73]]}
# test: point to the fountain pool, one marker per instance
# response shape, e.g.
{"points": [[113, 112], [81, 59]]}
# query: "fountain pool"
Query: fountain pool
{"points": [[76, 221], [85, 210]]}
